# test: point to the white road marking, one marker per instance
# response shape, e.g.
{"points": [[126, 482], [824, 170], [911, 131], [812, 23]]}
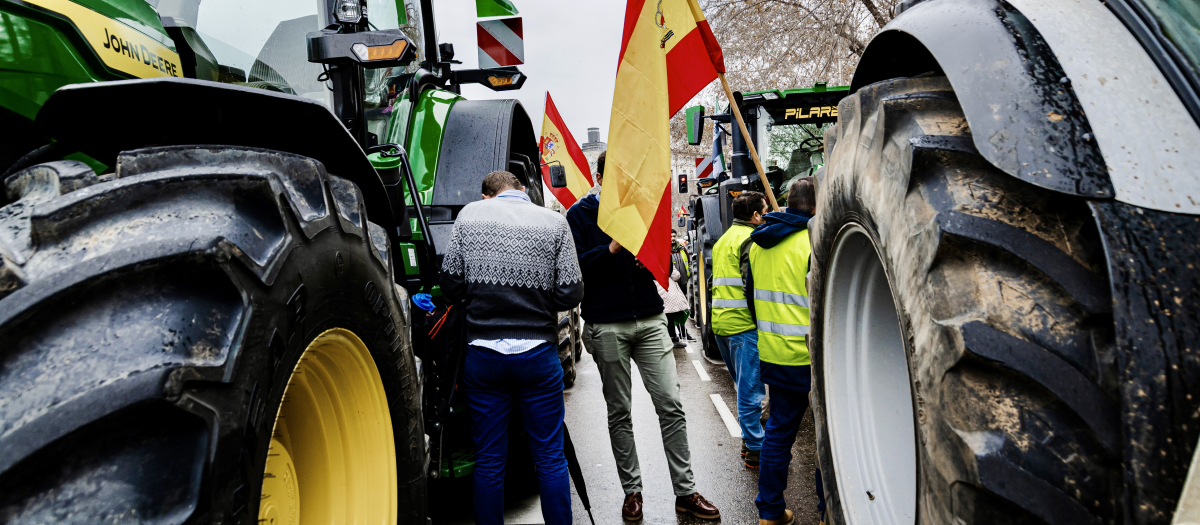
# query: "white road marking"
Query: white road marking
{"points": [[731, 423], [700, 370], [689, 349]]}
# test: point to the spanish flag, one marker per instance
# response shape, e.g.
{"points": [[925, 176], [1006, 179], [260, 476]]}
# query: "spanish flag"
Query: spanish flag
{"points": [[557, 144], [668, 54]]}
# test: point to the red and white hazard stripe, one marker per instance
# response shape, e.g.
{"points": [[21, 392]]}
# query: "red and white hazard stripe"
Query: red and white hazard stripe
{"points": [[703, 167], [501, 42]]}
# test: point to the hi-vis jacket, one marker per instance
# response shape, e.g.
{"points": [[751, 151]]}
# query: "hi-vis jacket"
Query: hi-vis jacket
{"points": [[730, 312], [781, 299]]}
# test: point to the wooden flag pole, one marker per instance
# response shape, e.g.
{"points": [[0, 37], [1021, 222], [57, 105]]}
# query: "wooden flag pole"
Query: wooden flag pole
{"points": [[737, 113]]}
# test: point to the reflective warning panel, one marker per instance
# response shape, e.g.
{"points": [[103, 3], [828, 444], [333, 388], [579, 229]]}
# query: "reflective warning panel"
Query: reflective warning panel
{"points": [[500, 42]]}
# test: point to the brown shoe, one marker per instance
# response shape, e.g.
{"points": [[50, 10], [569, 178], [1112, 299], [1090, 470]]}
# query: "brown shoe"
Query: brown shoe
{"points": [[631, 510], [697, 506], [787, 519]]}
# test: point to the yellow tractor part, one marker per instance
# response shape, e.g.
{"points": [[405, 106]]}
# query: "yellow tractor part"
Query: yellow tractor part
{"points": [[332, 457]]}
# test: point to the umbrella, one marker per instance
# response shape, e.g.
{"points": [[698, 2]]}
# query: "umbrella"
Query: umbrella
{"points": [[576, 472]]}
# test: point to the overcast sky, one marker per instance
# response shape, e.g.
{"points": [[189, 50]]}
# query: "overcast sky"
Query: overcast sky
{"points": [[571, 50]]}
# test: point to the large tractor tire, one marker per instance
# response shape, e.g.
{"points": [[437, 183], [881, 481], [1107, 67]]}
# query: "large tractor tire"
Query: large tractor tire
{"points": [[963, 364], [209, 335]]}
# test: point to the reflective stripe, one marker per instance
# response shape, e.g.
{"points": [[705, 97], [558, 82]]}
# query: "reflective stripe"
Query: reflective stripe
{"points": [[793, 299], [799, 330], [730, 303], [727, 281]]}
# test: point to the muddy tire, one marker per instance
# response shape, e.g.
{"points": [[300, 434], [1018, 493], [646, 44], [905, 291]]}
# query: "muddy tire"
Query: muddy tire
{"points": [[963, 367], [150, 320]]}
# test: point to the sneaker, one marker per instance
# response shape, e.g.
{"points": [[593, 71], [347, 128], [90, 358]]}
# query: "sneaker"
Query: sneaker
{"points": [[751, 459], [680, 344], [744, 448]]}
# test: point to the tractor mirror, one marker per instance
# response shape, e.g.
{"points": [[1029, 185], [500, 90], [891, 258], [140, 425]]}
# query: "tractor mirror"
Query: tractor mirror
{"points": [[682, 222], [695, 124], [558, 175]]}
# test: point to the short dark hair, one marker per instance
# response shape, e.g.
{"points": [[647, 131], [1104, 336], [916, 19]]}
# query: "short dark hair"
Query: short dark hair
{"points": [[600, 164], [802, 194], [498, 181], [748, 202]]}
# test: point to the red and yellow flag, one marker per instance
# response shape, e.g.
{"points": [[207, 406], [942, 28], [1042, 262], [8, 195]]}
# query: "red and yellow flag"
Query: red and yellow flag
{"points": [[668, 54], [557, 144]]}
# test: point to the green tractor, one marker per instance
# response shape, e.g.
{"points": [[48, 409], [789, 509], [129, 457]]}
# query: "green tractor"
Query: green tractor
{"points": [[216, 217], [787, 128]]}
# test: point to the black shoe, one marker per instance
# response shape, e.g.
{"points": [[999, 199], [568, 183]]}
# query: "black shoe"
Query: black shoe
{"points": [[744, 448], [751, 459]]}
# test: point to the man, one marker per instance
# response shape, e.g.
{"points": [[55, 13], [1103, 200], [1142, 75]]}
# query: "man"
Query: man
{"points": [[779, 261], [732, 322], [513, 265], [677, 317], [679, 258], [625, 321]]}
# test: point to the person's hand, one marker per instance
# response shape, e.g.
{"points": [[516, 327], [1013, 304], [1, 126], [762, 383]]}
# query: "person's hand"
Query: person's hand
{"points": [[638, 263], [614, 247]]}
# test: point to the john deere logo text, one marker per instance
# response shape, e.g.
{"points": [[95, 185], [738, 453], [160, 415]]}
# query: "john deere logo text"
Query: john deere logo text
{"points": [[139, 52], [813, 112]]}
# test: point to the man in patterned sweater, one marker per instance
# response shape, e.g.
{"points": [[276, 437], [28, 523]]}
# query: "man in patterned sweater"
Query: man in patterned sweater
{"points": [[513, 265]]}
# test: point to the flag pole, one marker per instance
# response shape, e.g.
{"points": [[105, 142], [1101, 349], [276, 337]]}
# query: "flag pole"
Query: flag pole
{"points": [[737, 113]]}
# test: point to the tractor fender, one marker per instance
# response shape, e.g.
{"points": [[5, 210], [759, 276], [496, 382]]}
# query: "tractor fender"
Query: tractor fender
{"points": [[1025, 120], [105, 118], [481, 137]]}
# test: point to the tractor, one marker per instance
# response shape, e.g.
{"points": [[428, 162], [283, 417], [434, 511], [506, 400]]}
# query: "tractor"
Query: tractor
{"points": [[787, 129], [220, 239], [1005, 300]]}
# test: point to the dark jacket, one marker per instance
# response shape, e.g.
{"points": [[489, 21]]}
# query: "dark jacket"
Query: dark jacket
{"points": [[778, 227], [617, 290], [513, 265]]}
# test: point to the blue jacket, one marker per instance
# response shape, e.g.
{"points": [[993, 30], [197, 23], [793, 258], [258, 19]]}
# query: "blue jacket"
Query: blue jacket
{"points": [[615, 289], [778, 227]]}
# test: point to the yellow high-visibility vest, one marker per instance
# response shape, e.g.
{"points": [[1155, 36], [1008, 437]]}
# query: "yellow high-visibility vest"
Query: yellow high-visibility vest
{"points": [[781, 300], [730, 313]]}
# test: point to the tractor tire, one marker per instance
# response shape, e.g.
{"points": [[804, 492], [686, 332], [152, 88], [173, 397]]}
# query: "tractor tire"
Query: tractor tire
{"points": [[151, 321], [961, 336], [566, 348], [708, 339]]}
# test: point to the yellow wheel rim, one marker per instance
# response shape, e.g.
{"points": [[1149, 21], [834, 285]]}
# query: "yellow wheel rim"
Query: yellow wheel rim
{"points": [[332, 457]]}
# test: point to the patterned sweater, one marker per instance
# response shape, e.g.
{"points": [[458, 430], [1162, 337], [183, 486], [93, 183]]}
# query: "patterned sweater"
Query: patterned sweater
{"points": [[513, 264]]}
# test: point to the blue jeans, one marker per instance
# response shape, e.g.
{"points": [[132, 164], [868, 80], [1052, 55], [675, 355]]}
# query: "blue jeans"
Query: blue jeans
{"points": [[533, 381], [741, 358], [787, 411]]}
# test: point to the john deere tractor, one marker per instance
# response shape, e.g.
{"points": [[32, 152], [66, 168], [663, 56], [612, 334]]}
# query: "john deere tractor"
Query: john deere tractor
{"points": [[1006, 299], [216, 217], [787, 129]]}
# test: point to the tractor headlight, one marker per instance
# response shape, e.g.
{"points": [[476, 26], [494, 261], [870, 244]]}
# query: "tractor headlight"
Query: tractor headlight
{"points": [[349, 11]]}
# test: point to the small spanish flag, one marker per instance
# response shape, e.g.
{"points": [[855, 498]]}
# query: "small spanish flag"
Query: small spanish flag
{"points": [[668, 54], [557, 144]]}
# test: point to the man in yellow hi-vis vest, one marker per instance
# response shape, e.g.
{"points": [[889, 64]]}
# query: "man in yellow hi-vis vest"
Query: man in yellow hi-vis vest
{"points": [[733, 322], [779, 261]]}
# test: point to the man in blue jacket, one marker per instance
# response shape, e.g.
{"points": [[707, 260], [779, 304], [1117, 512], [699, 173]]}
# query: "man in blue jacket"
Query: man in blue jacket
{"points": [[779, 263], [625, 321]]}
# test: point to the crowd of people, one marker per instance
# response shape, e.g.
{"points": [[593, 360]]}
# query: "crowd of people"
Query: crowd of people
{"points": [[515, 265]]}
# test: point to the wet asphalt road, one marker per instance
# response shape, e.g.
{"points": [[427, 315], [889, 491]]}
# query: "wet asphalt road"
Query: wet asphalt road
{"points": [[719, 472]]}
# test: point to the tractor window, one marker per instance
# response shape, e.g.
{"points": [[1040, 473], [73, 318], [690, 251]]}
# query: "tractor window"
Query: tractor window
{"points": [[795, 148], [1180, 22], [260, 44]]}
